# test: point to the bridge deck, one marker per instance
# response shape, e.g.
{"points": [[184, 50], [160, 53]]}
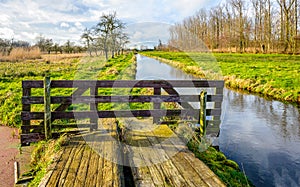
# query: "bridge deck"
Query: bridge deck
{"points": [[152, 157]]}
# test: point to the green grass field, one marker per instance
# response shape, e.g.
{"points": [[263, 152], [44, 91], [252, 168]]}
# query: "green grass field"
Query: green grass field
{"points": [[12, 74], [272, 75]]}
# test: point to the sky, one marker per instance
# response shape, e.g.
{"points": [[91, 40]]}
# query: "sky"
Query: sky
{"points": [[62, 20]]}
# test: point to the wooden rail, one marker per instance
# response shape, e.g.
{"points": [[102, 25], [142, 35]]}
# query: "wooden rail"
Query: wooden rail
{"points": [[34, 132]]}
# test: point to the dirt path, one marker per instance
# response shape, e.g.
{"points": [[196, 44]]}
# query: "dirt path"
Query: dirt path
{"points": [[8, 154]]}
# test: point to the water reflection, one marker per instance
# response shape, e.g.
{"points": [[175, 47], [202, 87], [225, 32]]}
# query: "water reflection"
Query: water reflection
{"points": [[148, 68], [264, 137]]}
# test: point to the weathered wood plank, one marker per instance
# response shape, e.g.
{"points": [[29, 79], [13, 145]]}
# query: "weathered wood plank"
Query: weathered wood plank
{"points": [[32, 84], [118, 113], [214, 98], [66, 168], [82, 170], [31, 137], [73, 168], [108, 99], [35, 128], [92, 170], [60, 166], [26, 107]]}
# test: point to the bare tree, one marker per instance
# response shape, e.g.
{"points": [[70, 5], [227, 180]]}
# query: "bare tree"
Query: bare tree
{"points": [[108, 30], [87, 36], [286, 7]]}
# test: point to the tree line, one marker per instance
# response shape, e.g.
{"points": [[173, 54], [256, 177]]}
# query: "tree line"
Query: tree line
{"points": [[259, 26], [45, 45]]}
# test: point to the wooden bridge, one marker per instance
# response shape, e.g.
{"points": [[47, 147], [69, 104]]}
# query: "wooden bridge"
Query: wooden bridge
{"points": [[110, 154]]}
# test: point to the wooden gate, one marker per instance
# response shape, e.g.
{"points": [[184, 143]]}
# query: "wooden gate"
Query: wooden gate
{"points": [[45, 95]]}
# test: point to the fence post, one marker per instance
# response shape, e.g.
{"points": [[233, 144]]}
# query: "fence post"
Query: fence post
{"points": [[94, 108], [157, 91], [202, 119], [47, 105]]}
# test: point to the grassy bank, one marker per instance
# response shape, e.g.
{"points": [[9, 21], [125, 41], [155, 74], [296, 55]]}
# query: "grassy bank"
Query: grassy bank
{"points": [[273, 75]]}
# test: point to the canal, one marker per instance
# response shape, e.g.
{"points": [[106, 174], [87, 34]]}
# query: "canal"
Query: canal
{"points": [[262, 136]]}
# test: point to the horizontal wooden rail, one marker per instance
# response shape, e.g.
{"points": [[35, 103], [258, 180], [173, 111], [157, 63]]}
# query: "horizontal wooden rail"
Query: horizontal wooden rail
{"points": [[121, 99], [117, 113]]}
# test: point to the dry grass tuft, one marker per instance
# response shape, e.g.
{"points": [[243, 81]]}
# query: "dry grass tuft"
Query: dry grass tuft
{"points": [[58, 57], [20, 54]]}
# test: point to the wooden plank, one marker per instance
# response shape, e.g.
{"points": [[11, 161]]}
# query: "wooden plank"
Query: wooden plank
{"points": [[219, 90], [77, 92], [35, 128], [117, 113], [82, 170], [213, 112], [26, 107], [93, 107], [170, 173], [68, 167], [55, 126], [218, 105], [92, 171], [183, 104], [26, 139], [214, 122], [73, 168], [214, 98], [142, 98], [107, 99], [60, 166], [63, 106], [32, 84]]}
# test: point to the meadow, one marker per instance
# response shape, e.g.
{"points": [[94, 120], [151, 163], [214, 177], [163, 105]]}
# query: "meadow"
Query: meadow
{"points": [[276, 76], [59, 68]]}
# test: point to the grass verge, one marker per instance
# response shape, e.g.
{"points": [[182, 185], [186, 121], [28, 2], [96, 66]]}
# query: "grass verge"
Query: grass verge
{"points": [[42, 156], [227, 170]]}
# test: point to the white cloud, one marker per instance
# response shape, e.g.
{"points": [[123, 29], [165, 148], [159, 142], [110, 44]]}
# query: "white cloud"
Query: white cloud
{"points": [[6, 32], [79, 25], [64, 24], [73, 30], [63, 20]]}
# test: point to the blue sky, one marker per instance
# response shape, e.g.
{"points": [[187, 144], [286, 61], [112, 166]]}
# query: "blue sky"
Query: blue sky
{"points": [[62, 20]]}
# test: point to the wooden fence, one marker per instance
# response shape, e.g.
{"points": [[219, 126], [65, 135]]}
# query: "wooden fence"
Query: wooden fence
{"points": [[38, 125]]}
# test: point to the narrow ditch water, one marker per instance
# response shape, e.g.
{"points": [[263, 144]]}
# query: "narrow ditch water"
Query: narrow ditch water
{"points": [[262, 136]]}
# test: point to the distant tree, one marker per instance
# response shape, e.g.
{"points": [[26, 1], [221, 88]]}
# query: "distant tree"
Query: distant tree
{"points": [[68, 47], [45, 44], [160, 45], [88, 39], [48, 45], [56, 48]]}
